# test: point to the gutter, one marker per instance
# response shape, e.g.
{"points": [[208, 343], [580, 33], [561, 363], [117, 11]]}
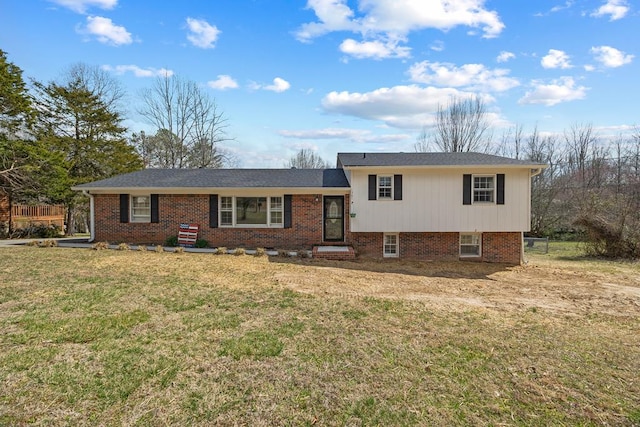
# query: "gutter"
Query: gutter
{"points": [[92, 211], [536, 172]]}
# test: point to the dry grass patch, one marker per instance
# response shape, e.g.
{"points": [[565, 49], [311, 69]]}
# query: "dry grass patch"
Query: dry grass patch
{"points": [[128, 337]]}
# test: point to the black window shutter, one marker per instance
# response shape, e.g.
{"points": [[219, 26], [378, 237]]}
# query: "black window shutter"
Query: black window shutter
{"points": [[500, 189], [155, 215], [213, 210], [373, 187], [287, 210], [397, 187], [124, 208], [466, 189]]}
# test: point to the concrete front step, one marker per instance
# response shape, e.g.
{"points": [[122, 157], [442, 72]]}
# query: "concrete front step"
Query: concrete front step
{"points": [[336, 253]]}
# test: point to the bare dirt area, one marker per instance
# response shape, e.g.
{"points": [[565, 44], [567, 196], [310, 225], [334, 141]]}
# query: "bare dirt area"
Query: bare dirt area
{"points": [[564, 287]]}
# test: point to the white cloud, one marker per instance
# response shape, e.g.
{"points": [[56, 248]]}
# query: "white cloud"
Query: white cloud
{"points": [[589, 67], [437, 46], [469, 76], [81, 6], [616, 9], [505, 56], [201, 33], [138, 71], [278, 85], [353, 135], [376, 49], [610, 56], [382, 20], [223, 82], [409, 107], [106, 31], [560, 90], [556, 59], [566, 5], [334, 15]]}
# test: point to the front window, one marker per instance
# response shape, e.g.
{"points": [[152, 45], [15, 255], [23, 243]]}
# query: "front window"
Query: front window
{"points": [[483, 189], [226, 211], [385, 187], [238, 211], [275, 211], [251, 210], [390, 245], [470, 245], [140, 208]]}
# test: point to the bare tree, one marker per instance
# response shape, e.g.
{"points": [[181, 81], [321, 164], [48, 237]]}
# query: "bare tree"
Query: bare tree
{"points": [[180, 109], [307, 159], [511, 142], [99, 82], [461, 126]]}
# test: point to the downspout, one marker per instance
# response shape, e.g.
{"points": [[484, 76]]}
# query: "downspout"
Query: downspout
{"points": [[92, 211]]}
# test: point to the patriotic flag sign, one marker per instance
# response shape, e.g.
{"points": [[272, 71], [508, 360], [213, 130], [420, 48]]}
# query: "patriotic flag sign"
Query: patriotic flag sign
{"points": [[188, 234]]}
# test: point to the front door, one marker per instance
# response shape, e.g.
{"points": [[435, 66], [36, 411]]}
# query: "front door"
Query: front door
{"points": [[334, 219]]}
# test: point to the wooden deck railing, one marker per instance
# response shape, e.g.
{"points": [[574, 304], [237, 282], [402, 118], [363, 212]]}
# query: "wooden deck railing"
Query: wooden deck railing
{"points": [[22, 215]]}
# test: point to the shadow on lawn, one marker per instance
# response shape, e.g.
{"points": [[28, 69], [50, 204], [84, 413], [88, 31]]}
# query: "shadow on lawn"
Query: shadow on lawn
{"points": [[446, 269]]}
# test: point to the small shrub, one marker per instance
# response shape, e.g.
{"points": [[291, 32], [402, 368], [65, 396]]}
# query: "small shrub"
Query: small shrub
{"points": [[201, 243], [49, 244], [179, 250], [100, 246], [303, 253], [123, 247], [171, 241], [260, 252], [239, 251], [221, 250], [283, 253], [159, 249], [38, 230], [33, 243], [142, 248]]}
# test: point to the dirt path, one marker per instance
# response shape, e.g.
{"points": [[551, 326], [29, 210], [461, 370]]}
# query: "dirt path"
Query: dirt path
{"points": [[562, 287]]}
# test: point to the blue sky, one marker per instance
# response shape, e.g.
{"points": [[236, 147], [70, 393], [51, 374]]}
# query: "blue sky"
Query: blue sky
{"points": [[343, 75]]}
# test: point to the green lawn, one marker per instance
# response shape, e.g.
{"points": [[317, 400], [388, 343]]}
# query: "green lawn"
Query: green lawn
{"points": [[144, 338]]}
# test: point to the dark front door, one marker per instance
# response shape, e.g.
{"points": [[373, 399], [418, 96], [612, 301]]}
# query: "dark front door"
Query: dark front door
{"points": [[334, 218]]}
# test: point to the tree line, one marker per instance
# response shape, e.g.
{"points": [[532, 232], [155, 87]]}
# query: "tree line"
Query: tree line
{"points": [[70, 131]]}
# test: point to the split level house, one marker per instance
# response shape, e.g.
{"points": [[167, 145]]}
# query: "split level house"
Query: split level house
{"points": [[423, 206]]}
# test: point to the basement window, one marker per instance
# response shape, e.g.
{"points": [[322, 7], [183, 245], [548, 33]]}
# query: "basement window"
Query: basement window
{"points": [[470, 245], [390, 245]]}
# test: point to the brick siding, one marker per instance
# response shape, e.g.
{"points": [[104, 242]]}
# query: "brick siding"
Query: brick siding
{"points": [[496, 247], [306, 231]]}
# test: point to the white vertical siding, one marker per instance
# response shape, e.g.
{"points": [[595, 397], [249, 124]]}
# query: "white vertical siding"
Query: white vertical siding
{"points": [[432, 202]]}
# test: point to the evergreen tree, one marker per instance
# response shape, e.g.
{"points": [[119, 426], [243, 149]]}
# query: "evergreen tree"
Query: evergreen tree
{"points": [[75, 124]]}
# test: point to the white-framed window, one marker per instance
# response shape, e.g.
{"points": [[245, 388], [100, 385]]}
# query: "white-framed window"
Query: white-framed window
{"points": [[470, 244], [141, 208], [251, 211], [275, 211], [390, 245], [226, 211], [483, 188], [385, 187]]}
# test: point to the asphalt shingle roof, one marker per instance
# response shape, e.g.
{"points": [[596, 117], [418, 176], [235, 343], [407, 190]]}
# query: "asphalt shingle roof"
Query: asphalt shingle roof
{"points": [[224, 178], [427, 159]]}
